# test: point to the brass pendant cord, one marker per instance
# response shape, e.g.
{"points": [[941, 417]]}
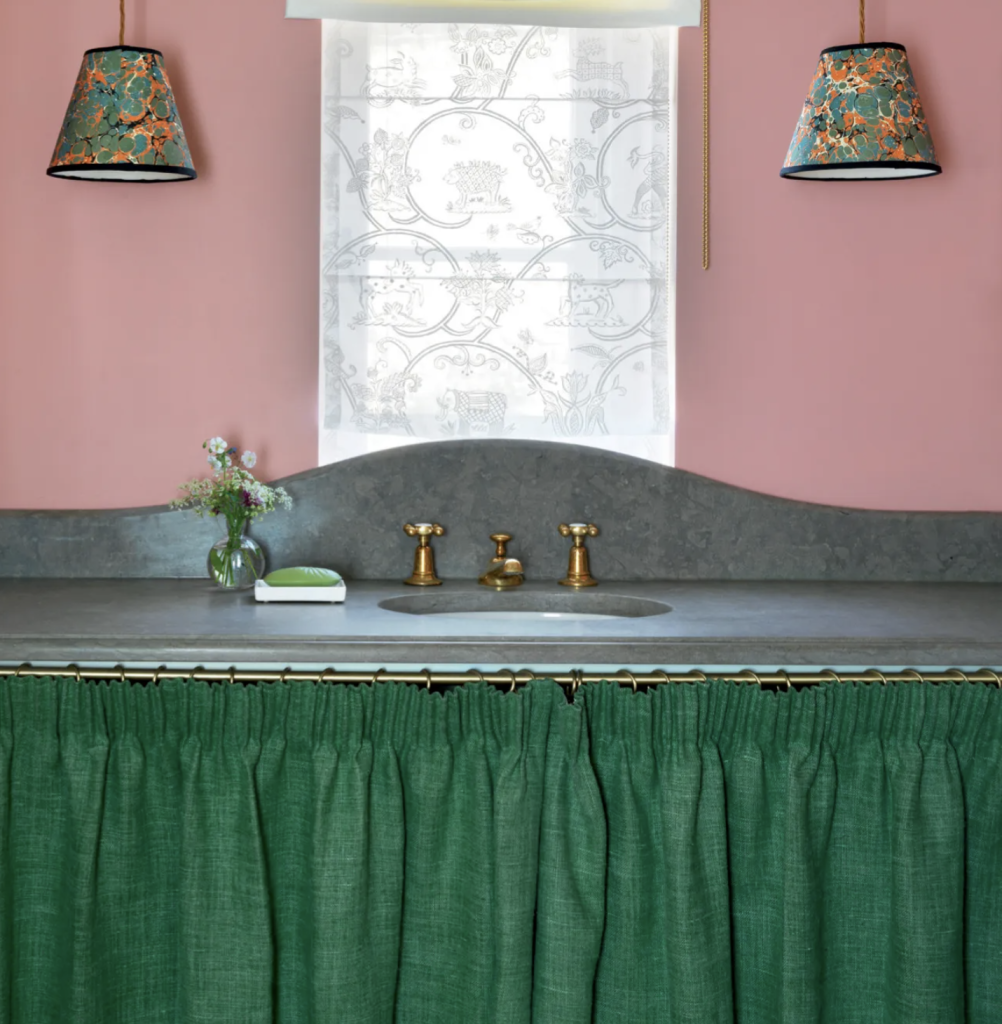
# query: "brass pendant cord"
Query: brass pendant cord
{"points": [[509, 678], [862, 21], [121, 22], [706, 134]]}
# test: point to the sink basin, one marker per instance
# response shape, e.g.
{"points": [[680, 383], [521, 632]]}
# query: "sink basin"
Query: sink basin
{"points": [[527, 605]]}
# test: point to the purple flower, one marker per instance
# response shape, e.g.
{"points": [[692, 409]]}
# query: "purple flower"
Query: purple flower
{"points": [[249, 500]]}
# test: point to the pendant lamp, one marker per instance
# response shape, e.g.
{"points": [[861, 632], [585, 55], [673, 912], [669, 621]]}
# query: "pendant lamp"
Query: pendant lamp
{"points": [[862, 119], [122, 123]]}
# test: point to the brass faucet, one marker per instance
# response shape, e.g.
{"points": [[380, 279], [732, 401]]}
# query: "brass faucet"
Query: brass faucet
{"points": [[578, 574], [424, 556], [502, 572]]}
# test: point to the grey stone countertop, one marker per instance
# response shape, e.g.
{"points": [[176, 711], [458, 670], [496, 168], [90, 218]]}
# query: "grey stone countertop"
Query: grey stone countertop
{"points": [[756, 624]]}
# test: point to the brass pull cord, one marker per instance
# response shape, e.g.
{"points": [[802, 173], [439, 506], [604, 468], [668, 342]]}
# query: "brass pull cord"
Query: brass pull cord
{"points": [[706, 134], [862, 21], [121, 22]]}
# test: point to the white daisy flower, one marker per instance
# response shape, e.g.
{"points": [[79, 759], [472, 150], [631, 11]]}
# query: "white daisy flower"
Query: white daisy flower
{"points": [[214, 462], [216, 445], [249, 459]]}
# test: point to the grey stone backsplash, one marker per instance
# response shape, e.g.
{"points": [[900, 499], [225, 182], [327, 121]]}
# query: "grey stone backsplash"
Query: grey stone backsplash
{"points": [[656, 523]]}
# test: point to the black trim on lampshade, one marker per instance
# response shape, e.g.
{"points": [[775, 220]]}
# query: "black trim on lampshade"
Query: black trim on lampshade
{"points": [[864, 46], [805, 172], [134, 49], [83, 172]]}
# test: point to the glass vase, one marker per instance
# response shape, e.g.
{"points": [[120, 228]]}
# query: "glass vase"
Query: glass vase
{"points": [[236, 560]]}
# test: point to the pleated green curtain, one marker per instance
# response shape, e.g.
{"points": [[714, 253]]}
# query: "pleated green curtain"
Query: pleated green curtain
{"points": [[308, 853]]}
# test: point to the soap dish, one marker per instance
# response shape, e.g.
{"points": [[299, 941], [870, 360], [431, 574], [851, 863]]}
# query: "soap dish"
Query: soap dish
{"points": [[301, 584]]}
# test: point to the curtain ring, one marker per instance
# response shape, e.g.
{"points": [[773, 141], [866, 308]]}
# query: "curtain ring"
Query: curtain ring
{"points": [[994, 675], [830, 675], [746, 672], [785, 676], [528, 676], [233, 674], [76, 671], [193, 673], [575, 681], [876, 676], [27, 664], [479, 674], [322, 678], [121, 673], [511, 679], [630, 678], [427, 678], [959, 676], [916, 676], [699, 672], [157, 673], [285, 671], [375, 677]]}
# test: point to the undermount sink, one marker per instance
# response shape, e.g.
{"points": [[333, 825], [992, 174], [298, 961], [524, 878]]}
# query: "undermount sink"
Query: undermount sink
{"points": [[526, 605]]}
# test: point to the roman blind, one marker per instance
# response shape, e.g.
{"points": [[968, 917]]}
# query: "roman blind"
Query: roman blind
{"points": [[569, 13]]}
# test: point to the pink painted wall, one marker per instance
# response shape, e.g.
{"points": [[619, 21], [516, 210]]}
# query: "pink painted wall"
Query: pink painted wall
{"points": [[845, 346], [137, 320]]}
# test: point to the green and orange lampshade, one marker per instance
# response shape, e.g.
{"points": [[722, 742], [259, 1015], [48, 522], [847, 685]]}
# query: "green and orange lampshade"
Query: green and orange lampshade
{"points": [[862, 119], [122, 123]]}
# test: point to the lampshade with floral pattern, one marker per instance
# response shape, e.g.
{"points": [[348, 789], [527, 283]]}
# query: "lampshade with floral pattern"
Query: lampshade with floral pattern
{"points": [[862, 119], [122, 123]]}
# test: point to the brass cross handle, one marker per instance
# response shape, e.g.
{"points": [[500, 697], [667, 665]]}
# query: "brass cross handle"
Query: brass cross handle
{"points": [[424, 556], [578, 574]]}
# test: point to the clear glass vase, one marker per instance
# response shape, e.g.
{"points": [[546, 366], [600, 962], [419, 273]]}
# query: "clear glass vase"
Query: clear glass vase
{"points": [[236, 560]]}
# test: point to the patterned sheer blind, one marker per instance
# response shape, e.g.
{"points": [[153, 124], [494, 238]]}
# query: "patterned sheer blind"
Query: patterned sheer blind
{"points": [[496, 236]]}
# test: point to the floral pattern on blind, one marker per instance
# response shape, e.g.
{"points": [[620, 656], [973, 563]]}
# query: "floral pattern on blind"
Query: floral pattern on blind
{"points": [[495, 232]]}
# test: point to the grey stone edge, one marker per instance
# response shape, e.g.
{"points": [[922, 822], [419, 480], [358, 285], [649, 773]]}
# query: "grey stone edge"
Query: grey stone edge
{"points": [[656, 523]]}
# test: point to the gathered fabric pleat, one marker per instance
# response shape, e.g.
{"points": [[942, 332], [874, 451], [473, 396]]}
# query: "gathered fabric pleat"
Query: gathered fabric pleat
{"points": [[310, 853]]}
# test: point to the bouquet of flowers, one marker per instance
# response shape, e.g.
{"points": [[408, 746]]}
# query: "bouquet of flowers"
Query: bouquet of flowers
{"points": [[234, 493]]}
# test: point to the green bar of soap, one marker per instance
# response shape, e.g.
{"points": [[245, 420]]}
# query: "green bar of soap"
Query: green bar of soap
{"points": [[303, 576]]}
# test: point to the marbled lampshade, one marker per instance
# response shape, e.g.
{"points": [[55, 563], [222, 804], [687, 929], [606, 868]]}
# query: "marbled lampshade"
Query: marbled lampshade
{"points": [[122, 123], [862, 119]]}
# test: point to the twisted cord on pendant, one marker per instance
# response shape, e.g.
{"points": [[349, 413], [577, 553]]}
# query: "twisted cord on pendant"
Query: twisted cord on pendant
{"points": [[121, 22], [862, 22]]}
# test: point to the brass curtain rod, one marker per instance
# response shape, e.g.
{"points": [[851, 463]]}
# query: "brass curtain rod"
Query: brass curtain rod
{"points": [[511, 678]]}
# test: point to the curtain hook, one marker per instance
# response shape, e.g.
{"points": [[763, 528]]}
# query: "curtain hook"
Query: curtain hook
{"points": [[376, 675], [575, 681], [76, 671], [233, 674], [27, 665], [121, 673], [157, 673]]}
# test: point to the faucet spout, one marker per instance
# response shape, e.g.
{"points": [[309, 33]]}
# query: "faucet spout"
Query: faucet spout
{"points": [[502, 572]]}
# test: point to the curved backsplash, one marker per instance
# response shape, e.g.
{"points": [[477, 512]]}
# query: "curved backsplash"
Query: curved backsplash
{"points": [[655, 523]]}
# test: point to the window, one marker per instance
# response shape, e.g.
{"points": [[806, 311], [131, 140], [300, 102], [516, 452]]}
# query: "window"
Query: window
{"points": [[496, 238]]}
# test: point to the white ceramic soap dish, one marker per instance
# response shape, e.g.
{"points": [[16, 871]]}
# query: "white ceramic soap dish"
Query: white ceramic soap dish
{"points": [[322, 586], [330, 595]]}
